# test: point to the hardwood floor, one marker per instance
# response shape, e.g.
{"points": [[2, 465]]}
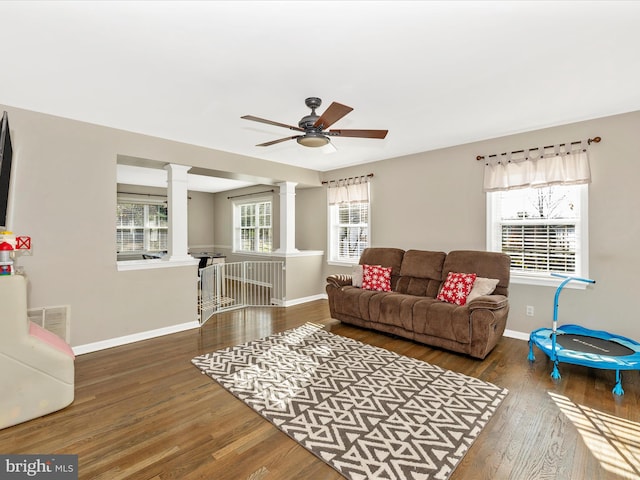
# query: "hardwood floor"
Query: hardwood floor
{"points": [[143, 411]]}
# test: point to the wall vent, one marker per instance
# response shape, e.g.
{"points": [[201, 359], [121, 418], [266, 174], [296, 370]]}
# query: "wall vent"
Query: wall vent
{"points": [[54, 319]]}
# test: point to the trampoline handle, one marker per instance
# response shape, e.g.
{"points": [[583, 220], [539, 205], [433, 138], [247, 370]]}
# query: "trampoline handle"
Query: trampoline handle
{"points": [[566, 280], [579, 279]]}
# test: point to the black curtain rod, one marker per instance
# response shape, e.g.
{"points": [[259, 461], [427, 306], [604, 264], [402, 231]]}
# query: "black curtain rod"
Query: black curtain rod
{"points": [[143, 194], [146, 194], [350, 178], [249, 194], [589, 141]]}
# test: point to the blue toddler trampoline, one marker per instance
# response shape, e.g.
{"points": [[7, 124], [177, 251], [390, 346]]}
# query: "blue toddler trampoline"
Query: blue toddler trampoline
{"points": [[583, 346]]}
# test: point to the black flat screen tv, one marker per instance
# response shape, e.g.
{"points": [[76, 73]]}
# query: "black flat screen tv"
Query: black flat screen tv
{"points": [[6, 153]]}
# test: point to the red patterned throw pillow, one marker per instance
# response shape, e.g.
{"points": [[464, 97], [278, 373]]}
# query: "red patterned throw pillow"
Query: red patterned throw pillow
{"points": [[456, 288], [375, 277]]}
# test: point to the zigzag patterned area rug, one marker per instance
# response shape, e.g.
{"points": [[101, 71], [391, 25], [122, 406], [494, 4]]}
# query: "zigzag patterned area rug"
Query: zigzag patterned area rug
{"points": [[367, 412]]}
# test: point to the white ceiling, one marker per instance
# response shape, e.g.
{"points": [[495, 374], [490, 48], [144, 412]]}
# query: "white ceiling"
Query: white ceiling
{"points": [[157, 177], [435, 74]]}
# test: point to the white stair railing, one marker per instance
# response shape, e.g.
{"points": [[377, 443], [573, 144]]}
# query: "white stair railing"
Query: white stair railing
{"points": [[227, 286]]}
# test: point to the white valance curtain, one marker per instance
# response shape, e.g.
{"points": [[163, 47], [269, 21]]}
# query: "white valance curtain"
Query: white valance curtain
{"points": [[348, 190], [564, 164]]}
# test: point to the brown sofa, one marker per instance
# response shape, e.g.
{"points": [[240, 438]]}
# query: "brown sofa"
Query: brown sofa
{"points": [[411, 310]]}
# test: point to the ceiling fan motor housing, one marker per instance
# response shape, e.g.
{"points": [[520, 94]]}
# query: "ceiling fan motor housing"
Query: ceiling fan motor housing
{"points": [[308, 121]]}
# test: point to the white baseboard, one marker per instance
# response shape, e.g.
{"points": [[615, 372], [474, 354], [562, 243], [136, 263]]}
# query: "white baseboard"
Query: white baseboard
{"points": [[298, 301], [135, 337], [515, 334]]}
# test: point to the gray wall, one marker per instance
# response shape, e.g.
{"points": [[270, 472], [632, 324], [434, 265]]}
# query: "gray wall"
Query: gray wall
{"points": [[65, 198], [311, 221], [201, 221], [434, 201]]}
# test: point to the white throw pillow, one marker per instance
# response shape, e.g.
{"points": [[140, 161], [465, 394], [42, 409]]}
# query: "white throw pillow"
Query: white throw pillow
{"points": [[356, 276], [482, 286]]}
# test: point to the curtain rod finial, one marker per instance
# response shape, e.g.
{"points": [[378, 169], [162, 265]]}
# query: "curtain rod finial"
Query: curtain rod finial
{"points": [[480, 157], [594, 140]]}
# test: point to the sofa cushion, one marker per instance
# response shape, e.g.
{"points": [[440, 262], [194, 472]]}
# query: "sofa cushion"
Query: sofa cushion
{"points": [[375, 277], [456, 287], [354, 302], [387, 257], [394, 309], [421, 273], [443, 320], [422, 264]]}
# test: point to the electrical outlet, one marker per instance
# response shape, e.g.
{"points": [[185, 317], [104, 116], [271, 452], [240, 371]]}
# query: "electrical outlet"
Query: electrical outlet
{"points": [[529, 311]]}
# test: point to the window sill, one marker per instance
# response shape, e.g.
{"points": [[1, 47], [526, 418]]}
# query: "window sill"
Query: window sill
{"points": [[299, 253], [247, 253], [127, 265], [337, 263], [544, 281]]}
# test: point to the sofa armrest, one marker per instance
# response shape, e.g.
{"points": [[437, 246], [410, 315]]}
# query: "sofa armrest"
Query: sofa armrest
{"points": [[488, 302], [339, 280]]}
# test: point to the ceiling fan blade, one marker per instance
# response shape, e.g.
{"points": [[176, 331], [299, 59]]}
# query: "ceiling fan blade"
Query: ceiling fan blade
{"points": [[332, 114], [359, 133], [273, 142], [271, 122]]}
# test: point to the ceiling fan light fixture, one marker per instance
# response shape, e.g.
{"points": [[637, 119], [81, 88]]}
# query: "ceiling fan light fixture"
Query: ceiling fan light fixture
{"points": [[313, 140]]}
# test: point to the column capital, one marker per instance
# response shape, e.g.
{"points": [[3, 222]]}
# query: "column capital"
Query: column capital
{"points": [[174, 167], [287, 185]]}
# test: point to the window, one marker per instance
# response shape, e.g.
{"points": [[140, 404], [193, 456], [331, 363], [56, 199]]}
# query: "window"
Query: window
{"points": [[253, 222], [349, 231], [141, 227], [544, 230]]}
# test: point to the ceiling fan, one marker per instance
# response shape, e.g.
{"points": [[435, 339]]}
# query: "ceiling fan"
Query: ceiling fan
{"points": [[312, 127]]}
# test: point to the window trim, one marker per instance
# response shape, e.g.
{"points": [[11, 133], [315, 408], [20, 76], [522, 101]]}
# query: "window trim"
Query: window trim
{"points": [[544, 279], [236, 204], [128, 265]]}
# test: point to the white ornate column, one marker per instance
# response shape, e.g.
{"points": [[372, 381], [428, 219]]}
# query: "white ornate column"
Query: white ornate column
{"points": [[177, 197], [287, 218]]}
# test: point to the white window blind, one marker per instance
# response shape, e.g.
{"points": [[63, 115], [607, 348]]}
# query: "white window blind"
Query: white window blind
{"points": [[542, 229], [141, 227], [350, 225]]}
